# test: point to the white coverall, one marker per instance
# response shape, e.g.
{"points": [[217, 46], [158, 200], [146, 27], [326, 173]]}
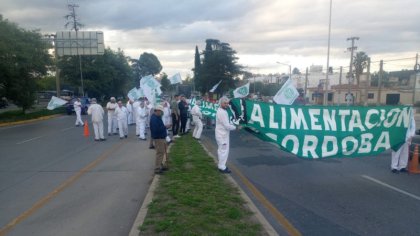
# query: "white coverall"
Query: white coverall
{"points": [[222, 131], [141, 121], [97, 113], [112, 119], [78, 109], [197, 116], [121, 113], [400, 157], [167, 119], [130, 113], [136, 105]]}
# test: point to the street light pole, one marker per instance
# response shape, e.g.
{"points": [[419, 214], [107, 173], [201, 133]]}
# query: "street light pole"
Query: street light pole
{"points": [[327, 80], [290, 68]]}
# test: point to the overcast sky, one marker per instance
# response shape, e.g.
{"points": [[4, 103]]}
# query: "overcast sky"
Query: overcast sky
{"points": [[262, 32]]}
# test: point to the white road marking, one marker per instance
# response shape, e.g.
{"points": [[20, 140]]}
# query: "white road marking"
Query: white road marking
{"points": [[28, 140], [66, 129], [391, 187]]}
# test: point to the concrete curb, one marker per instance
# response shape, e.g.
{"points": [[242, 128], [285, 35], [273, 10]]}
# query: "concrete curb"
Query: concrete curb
{"points": [[259, 216], [28, 121]]}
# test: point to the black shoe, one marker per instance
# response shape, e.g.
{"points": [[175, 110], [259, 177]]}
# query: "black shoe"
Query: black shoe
{"points": [[103, 139], [152, 147], [159, 171], [97, 140], [125, 136], [394, 171], [164, 168], [225, 171], [403, 170], [115, 133], [109, 134]]}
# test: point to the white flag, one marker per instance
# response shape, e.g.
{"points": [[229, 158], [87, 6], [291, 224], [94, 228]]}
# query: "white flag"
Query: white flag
{"points": [[176, 79], [149, 81], [135, 94], [55, 102], [215, 87], [287, 93], [241, 92]]}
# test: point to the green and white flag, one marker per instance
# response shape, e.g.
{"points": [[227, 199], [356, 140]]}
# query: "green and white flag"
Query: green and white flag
{"points": [[241, 92], [176, 79], [150, 87], [287, 93], [328, 131], [135, 94], [55, 102]]}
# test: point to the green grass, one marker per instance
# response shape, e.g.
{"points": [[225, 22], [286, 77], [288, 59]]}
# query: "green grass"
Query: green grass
{"points": [[18, 115], [193, 198]]}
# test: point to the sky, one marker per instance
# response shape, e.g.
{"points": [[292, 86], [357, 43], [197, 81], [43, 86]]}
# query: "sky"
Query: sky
{"points": [[268, 35]]}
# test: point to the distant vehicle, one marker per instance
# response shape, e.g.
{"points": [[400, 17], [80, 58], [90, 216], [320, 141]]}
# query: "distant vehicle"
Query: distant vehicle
{"points": [[85, 105]]}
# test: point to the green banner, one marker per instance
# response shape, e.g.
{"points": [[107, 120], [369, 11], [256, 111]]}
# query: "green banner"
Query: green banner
{"points": [[327, 131]]}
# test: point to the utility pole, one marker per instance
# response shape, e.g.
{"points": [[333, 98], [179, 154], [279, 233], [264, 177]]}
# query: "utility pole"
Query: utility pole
{"points": [[350, 76], [327, 80], [380, 77], [306, 82], [416, 73], [367, 86], [339, 83]]}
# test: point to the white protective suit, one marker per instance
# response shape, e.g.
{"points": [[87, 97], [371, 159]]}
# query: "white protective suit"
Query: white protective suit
{"points": [[112, 119], [197, 116], [129, 107], [78, 109], [222, 131], [141, 121], [97, 113], [167, 119], [400, 157], [121, 113], [136, 105]]}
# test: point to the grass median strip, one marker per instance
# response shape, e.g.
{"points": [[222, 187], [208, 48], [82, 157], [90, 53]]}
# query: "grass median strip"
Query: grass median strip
{"points": [[193, 198]]}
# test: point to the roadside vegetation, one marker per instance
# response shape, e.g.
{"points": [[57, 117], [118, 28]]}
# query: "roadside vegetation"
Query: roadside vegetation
{"points": [[193, 198], [18, 115]]}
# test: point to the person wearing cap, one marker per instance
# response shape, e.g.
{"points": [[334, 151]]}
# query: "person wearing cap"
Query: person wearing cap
{"points": [[158, 133], [197, 116], [112, 119], [97, 113], [121, 113], [78, 110], [222, 132], [141, 121]]}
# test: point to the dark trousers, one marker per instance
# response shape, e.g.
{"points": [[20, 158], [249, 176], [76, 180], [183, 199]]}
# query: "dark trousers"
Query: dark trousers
{"points": [[175, 124], [184, 119]]}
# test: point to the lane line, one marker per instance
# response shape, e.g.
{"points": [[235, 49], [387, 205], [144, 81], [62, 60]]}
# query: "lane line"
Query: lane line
{"points": [[28, 140], [291, 230], [66, 129], [47, 198], [391, 187]]}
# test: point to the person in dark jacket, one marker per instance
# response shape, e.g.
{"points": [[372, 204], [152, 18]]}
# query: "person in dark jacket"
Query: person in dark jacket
{"points": [[158, 133], [183, 113]]}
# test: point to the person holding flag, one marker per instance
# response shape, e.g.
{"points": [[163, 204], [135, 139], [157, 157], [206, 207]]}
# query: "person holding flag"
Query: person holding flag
{"points": [[222, 132]]}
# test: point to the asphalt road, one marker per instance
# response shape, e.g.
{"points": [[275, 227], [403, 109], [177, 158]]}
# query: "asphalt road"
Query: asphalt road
{"points": [[352, 196], [54, 181]]}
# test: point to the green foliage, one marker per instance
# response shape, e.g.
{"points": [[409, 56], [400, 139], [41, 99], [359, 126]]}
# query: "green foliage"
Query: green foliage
{"points": [[103, 75], [24, 59], [46, 83], [147, 64], [219, 63], [166, 84], [13, 116], [360, 63]]}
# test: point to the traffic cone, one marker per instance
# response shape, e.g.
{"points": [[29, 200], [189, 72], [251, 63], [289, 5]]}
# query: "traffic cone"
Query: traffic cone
{"points": [[413, 165], [86, 129]]}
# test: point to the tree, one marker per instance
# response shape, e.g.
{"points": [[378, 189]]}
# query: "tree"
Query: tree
{"points": [[296, 71], [24, 59], [197, 64], [219, 63], [147, 64], [360, 62], [103, 75], [164, 81]]}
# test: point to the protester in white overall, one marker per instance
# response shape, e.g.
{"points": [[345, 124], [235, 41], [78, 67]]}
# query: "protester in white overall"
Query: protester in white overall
{"points": [[400, 157], [167, 118], [129, 107], [188, 125], [222, 131], [150, 111], [141, 120], [197, 116], [121, 113], [78, 109], [136, 105], [97, 113], [112, 119]]}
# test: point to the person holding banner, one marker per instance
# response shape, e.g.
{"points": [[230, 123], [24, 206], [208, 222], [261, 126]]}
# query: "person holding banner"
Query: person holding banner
{"points": [[197, 116], [222, 132], [112, 119], [78, 109], [97, 113], [399, 159], [121, 113], [175, 116]]}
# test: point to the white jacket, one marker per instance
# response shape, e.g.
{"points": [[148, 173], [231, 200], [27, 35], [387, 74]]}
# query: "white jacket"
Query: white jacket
{"points": [[196, 112], [223, 125], [96, 111], [121, 113], [111, 108], [142, 114]]}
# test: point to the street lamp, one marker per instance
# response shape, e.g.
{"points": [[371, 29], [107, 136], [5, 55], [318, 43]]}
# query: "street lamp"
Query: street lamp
{"points": [[290, 68]]}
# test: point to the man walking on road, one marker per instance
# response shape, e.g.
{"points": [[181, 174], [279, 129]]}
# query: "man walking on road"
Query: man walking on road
{"points": [[112, 120], [77, 105], [222, 132], [121, 113], [97, 113], [158, 133]]}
